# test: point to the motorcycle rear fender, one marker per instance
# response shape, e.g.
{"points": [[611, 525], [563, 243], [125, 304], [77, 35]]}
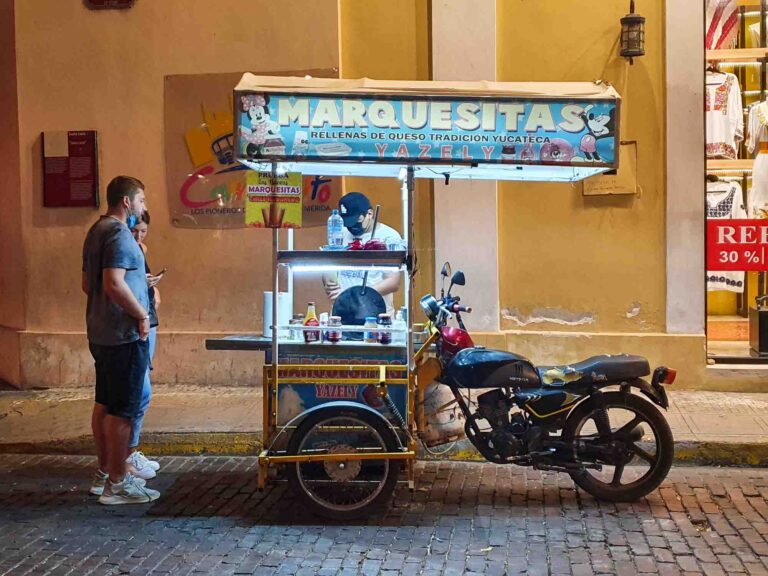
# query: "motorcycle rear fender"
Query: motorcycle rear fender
{"points": [[655, 393], [333, 407]]}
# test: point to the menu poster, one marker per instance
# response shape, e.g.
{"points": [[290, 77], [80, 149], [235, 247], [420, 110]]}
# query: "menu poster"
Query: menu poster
{"points": [[273, 201], [70, 169]]}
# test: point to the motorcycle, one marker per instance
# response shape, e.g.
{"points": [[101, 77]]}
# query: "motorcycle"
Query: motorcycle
{"points": [[585, 419]]}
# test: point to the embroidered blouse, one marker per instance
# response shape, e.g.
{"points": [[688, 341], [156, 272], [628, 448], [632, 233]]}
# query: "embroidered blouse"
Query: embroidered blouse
{"points": [[724, 117]]}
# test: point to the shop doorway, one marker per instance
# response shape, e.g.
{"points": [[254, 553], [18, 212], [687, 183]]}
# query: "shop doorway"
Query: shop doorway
{"points": [[736, 123]]}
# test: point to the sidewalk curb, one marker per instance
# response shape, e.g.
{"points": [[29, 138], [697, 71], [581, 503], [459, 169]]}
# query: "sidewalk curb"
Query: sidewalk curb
{"points": [[249, 444]]}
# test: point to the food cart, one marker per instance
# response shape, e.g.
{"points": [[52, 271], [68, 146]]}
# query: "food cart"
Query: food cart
{"points": [[342, 418]]}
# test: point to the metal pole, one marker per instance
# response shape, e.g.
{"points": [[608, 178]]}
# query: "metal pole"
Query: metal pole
{"points": [[409, 186], [275, 288], [290, 276]]}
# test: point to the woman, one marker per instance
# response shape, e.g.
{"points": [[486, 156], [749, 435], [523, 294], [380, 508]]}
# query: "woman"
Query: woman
{"points": [[138, 464]]}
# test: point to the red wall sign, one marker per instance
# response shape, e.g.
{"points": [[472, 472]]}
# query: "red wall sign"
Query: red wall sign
{"points": [[101, 4], [737, 245], [70, 169]]}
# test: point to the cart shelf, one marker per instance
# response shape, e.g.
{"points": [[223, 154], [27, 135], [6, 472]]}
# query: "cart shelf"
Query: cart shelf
{"points": [[367, 258]]}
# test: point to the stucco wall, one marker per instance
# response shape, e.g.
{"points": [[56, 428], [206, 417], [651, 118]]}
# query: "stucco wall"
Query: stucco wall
{"points": [[592, 264], [104, 70], [389, 40]]}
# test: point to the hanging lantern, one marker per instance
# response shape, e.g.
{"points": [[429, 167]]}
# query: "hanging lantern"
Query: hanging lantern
{"points": [[632, 34]]}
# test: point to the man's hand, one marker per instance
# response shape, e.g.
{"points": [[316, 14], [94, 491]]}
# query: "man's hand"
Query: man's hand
{"points": [[144, 328], [332, 289]]}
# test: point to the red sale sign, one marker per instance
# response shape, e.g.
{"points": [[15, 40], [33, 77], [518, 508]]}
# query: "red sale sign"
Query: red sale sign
{"points": [[740, 245]]}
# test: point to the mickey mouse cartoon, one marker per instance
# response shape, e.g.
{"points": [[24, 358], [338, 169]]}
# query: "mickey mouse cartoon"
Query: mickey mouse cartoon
{"points": [[262, 128], [598, 127]]}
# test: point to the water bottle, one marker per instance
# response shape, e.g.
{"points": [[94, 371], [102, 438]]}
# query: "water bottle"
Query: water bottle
{"points": [[400, 337], [335, 231]]}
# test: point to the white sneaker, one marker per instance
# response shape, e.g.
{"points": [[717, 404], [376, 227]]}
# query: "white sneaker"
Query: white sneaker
{"points": [[127, 492], [139, 466], [100, 479], [154, 464]]}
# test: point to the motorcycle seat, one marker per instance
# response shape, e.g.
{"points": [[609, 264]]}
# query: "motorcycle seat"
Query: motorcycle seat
{"points": [[596, 370]]}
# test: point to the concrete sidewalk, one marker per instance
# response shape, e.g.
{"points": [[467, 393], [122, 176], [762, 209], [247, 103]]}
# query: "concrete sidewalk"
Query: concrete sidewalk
{"points": [[709, 427]]}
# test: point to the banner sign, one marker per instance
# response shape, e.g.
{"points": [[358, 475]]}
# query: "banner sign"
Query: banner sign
{"points": [[737, 245], [273, 201], [426, 130]]}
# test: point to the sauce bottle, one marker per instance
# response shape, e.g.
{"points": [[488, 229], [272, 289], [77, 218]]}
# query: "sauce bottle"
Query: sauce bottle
{"points": [[310, 319]]}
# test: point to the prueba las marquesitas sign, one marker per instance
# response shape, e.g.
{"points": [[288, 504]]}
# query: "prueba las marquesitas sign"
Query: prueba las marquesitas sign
{"points": [[426, 130]]}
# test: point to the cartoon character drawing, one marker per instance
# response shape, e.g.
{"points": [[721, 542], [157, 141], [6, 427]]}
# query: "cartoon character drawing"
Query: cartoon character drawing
{"points": [[263, 137], [557, 151], [300, 143], [528, 154], [598, 127], [508, 153]]}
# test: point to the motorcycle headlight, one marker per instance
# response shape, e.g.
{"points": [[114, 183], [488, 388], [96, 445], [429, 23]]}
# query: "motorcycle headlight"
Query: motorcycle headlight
{"points": [[430, 307]]}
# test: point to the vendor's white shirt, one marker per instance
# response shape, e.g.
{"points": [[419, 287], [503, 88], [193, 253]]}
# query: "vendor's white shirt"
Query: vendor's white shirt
{"points": [[349, 278]]}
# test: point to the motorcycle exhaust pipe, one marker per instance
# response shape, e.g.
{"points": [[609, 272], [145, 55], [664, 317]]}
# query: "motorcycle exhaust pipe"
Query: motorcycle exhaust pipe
{"points": [[637, 433]]}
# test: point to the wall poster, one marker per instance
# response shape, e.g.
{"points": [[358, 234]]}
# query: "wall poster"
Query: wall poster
{"points": [[70, 169], [206, 187]]}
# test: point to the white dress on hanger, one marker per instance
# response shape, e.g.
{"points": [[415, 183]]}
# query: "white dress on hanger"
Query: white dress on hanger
{"points": [[724, 202], [724, 115], [757, 132]]}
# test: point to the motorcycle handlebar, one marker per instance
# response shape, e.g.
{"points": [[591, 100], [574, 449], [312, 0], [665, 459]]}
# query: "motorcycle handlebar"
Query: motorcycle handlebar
{"points": [[458, 308]]}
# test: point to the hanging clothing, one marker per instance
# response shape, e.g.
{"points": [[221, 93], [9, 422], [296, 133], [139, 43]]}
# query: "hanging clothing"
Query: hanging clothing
{"points": [[757, 198], [724, 115], [757, 140], [757, 121], [722, 21], [724, 202]]}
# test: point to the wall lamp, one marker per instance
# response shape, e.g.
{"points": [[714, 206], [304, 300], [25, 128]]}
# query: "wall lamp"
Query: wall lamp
{"points": [[632, 34]]}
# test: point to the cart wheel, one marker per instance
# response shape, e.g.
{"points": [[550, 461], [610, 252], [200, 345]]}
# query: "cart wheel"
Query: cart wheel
{"points": [[343, 489]]}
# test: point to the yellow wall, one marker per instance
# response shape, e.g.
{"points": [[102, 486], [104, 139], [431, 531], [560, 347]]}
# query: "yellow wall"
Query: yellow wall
{"points": [[389, 40], [104, 70], [563, 255]]}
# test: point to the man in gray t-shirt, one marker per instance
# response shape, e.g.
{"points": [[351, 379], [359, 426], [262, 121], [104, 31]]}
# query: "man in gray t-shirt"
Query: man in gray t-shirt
{"points": [[114, 279]]}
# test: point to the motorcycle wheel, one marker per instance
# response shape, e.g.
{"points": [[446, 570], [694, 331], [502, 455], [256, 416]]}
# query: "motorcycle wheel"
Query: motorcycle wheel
{"points": [[610, 430], [343, 489]]}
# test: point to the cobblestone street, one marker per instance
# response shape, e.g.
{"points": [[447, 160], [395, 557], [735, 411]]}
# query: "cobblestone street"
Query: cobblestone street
{"points": [[463, 518]]}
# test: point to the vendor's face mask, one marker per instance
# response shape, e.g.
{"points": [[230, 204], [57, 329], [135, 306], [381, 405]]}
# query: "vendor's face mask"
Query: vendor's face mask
{"points": [[356, 229]]}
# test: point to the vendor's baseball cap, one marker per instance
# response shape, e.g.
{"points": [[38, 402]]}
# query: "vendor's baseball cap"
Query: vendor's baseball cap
{"points": [[351, 206]]}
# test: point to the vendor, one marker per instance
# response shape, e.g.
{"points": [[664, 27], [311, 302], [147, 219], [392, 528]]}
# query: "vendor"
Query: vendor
{"points": [[355, 209]]}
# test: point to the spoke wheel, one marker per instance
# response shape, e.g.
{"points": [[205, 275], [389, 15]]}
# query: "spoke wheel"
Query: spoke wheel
{"points": [[335, 487], [628, 437]]}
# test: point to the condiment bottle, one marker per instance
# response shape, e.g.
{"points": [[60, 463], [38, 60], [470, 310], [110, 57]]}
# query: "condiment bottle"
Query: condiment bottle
{"points": [[334, 335], [370, 329], [310, 319], [385, 321]]}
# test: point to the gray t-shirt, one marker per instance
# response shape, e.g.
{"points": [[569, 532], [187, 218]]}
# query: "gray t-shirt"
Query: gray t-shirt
{"points": [[109, 244]]}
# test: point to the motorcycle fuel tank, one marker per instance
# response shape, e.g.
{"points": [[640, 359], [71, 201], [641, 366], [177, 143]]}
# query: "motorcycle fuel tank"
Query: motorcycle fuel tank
{"points": [[483, 368]]}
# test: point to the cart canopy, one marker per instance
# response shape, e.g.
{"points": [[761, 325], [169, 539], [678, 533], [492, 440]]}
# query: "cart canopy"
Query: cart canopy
{"points": [[535, 131]]}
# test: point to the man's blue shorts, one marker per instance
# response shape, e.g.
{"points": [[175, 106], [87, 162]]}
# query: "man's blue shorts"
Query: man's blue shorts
{"points": [[120, 372]]}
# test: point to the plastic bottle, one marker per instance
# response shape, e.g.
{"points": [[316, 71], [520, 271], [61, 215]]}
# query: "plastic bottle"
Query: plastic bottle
{"points": [[399, 325], [310, 319], [324, 326], [335, 231]]}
